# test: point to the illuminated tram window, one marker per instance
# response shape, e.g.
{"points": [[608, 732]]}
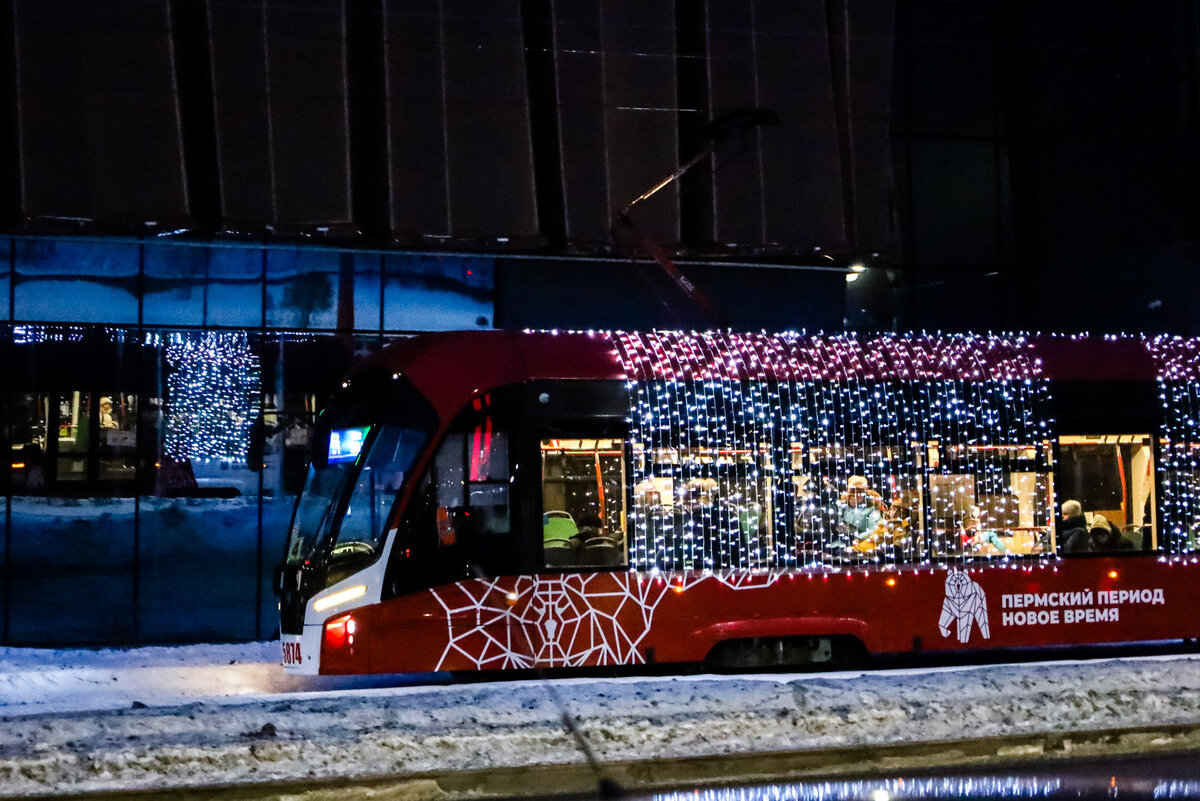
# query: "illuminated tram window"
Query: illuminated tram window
{"points": [[1106, 493], [583, 503]]}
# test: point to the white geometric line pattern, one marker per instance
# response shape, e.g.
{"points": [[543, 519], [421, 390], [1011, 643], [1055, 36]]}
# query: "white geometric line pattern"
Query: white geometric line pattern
{"points": [[564, 621], [965, 605]]}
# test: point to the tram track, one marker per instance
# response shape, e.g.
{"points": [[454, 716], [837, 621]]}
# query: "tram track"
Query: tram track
{"points": [[576, 779], [508, 738]]}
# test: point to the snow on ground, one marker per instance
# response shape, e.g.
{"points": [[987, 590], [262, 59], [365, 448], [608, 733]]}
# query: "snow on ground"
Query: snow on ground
{"points": [[226, 714]]}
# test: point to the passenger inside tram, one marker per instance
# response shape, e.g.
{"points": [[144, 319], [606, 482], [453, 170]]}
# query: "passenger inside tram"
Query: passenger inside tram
{"points": [[979, 537], [1109, 479], [859, 510]]}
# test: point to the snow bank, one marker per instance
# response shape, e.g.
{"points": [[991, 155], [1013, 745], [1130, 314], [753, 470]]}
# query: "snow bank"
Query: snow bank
{"points": [[399, 731]]}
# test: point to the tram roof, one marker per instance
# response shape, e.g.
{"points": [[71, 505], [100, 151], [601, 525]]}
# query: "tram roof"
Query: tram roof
{"points": [[458, 364]]}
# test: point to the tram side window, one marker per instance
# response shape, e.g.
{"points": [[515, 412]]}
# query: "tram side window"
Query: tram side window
{"points": [[1106, 493], [856, 503], [391, 453], [462, 494], [990, 514], [583, 503]]}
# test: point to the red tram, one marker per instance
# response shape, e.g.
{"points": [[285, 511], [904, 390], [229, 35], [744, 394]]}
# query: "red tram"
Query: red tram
{"points": [[493, 500]]}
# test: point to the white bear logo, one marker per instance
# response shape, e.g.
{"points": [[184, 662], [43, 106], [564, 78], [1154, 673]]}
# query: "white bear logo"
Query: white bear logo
{"points": [[966, 603]]}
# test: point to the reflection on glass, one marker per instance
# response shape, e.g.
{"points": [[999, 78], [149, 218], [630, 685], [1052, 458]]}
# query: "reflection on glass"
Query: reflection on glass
{"points": [[79, 281], [304, 287], [881, 790], [368, 291], [69, 417], [118, 437], [28, 436], [235, 287], [175, 279], [1109, 781], [428, 293]]}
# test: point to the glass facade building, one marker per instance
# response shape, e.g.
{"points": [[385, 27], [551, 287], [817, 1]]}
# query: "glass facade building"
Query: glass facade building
{"points": [[156, 406]]}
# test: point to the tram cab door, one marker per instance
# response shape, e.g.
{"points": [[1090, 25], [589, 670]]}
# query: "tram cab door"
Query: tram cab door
{"points": [[458, 521]]}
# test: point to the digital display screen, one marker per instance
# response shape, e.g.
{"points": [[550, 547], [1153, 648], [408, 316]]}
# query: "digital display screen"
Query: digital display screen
{"points": [[346, 443]]}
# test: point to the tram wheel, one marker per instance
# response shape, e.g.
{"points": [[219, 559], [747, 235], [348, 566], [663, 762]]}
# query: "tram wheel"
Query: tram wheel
{"points": [[774, 653]]}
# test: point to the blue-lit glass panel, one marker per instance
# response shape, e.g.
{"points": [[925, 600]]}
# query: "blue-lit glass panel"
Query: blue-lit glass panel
{"points": [[175, 278], [235, 287], [303, 287], [200, 513], [72, 569], [79, 281], [6, 279], [212, 541], [429, 293], [368, 291]]}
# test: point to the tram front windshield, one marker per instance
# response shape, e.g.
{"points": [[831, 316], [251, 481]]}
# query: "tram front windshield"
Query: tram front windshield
{"points": [[349, 492]]}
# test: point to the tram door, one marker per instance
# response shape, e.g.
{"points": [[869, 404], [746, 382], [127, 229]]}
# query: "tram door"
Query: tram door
{"points": [[458, 521], [1111, 478]]}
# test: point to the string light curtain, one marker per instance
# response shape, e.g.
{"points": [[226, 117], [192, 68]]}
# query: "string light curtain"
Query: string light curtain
{"points": [[1176, 359], [743, 444], [988, 450], [212, 395]]}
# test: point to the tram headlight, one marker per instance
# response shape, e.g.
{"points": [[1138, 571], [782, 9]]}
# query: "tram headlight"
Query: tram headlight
{"points": [[330, 601]]}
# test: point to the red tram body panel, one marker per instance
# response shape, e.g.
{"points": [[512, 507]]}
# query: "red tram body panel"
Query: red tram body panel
{"points": [[499, 500], [566, 622]]}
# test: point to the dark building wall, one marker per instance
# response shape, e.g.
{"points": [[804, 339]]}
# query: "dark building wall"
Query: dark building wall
{"points": [[511, 125], [97, 115], [602, 294], [996, 164], [1045, 166]]}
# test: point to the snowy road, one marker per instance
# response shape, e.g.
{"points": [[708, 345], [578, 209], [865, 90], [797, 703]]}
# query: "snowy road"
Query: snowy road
{"points": [[185, 717]]}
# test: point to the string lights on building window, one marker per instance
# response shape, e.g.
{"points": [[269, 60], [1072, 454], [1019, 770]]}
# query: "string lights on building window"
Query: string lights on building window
{"points": [[212, 395]]}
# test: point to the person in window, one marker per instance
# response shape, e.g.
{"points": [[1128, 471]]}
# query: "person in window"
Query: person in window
{"points": [[978, 538], [1105, 536], [1075, 536], [857, 511], [106, 414]]}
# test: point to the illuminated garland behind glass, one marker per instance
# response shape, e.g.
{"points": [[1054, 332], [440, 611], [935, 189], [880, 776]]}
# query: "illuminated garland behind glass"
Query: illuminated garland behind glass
{"points": [[1177, 362], [742, 444], [212, 395], [1180, 469], [756, 468]]}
